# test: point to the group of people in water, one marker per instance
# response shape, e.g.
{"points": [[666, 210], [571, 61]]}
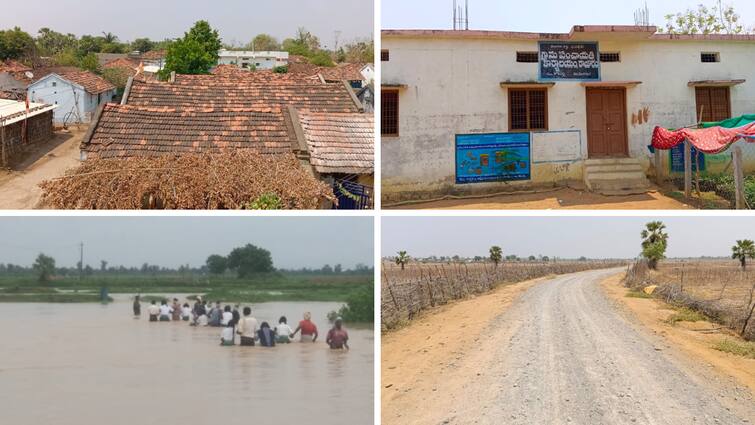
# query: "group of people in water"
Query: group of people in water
{"points": [[233, 323]]}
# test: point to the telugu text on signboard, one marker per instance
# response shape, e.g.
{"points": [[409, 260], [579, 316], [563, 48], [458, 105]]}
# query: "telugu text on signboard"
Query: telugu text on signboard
{"points": [[560, 60], [492, 157]]}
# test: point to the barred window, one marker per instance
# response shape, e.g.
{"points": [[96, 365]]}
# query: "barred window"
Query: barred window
{"points": [[610, 57], [710, 57], [385, 56], [528, 109], [389, 113]]}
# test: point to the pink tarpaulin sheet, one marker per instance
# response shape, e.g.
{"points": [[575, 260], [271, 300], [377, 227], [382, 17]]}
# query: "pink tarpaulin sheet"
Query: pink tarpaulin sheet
{"points": [[706, 140]]}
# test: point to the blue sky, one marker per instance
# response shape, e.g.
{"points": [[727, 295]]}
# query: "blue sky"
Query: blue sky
{"points": [[171, 241], [238, 20], [539, 15], [564, 237]]}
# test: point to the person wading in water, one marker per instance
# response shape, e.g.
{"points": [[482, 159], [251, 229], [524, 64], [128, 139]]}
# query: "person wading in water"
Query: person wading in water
{"points": [[307, 328], [137, 307], [338, 338]]}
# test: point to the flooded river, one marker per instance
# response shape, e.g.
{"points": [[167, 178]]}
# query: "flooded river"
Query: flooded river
{"points": [[94, 364]]}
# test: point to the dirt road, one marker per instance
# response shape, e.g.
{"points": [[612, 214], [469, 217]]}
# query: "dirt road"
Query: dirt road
{"points": [[559, 353], [19, 187]]}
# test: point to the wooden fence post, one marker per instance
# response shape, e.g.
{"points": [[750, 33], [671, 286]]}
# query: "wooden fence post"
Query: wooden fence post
{"points": [[658, 161], [738, 178], [687, 169]]}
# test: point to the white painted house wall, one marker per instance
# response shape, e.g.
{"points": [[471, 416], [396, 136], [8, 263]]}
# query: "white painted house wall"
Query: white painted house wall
{"points": [[70, 97], [452, 86], [368, 72], [245, 59]]}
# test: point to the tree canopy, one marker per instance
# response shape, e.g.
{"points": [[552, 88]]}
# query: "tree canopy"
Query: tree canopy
{"points": [[705, 20], [16, 44], [496, 254], [264, 42], [743, 250], [250, 260], [45, 267], [217, 264], [654, 243], [195, 53]]}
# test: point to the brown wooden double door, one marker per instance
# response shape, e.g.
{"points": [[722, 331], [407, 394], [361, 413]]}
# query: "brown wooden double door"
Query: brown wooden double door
{"points": [[606, 123]]}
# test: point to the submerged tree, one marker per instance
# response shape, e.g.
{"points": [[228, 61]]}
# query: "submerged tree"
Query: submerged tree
{"points": [[496, 254], [402, 259], [654, 243], [45, 267], [743, 250]]}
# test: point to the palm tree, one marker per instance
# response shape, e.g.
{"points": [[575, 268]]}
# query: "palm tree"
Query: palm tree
{"points": [[742, 251], [402, 259], [496, 254], [654, 242], [109, 37]]}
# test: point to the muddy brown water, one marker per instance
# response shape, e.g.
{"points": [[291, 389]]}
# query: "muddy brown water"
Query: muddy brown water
{"points": [[91, 363]]}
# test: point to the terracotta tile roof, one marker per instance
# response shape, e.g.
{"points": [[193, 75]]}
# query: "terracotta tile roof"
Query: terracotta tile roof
{"points": [[154, 55], [264, 76], [297, 59], [128, 131], [340, 143], [219, 92], [344, 71], [41, 72], [303, 68], [129, 63], [13, 66], [92, 83]]}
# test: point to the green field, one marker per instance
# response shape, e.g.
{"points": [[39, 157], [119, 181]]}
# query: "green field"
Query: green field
{"points": [[261, 288]]}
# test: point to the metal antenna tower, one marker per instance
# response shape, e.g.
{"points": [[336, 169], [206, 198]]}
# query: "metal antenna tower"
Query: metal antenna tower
{"points": [[642, 16], [461, 15]]}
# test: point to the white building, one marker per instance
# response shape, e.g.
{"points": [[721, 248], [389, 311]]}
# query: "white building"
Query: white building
{"points": [[76, 94], [446, 92], [252, 60]]}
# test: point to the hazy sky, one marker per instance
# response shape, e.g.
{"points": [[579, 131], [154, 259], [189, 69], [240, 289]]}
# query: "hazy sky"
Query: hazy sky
{"points": [[131, 241], [565, 237], [238, 20], [540, 15]]}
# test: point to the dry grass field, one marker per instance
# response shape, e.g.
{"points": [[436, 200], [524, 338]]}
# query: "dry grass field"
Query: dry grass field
{"points": [[718, 288]]}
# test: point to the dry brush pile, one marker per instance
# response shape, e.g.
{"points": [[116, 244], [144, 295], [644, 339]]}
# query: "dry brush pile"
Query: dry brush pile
{"points": [[719, 289], [195, 181], [405, 293]]}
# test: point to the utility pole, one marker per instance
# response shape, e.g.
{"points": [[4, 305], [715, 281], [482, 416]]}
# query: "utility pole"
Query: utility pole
{"points": [[81, 261]]}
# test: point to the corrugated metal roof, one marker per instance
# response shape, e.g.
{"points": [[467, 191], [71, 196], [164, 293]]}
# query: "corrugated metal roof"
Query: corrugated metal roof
{"points": [[12, 111]]}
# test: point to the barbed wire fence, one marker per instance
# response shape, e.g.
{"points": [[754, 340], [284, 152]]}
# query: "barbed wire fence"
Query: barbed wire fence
{"points": [[721, 290], [419, 286]]}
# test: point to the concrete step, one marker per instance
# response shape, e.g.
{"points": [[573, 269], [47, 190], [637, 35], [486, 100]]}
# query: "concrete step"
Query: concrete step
{"points": [[615, 175], [611, 161], [612, 186], [608, 168]]}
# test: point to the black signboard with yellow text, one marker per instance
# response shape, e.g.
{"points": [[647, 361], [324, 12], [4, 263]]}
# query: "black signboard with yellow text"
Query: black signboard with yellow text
{"points": [[568, 61]]}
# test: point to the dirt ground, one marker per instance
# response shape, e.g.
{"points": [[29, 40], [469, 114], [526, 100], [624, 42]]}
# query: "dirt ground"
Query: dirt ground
{"points": [[565, 198], [694, 338], [553, 351], [19, 186]]}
